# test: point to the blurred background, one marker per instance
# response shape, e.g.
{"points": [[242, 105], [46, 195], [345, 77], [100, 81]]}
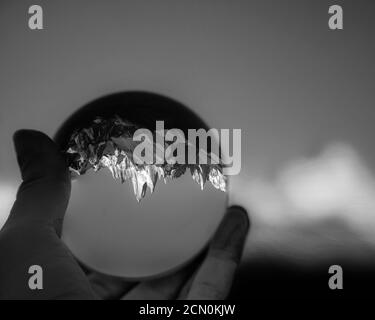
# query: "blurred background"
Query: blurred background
{"points": [[302, 94]]}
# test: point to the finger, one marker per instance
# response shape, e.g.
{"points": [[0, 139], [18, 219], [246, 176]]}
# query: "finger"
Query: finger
{"points": [[160, 289], [44, 193], [109, 287], [186, 287], [165, 288], [214, 279]]}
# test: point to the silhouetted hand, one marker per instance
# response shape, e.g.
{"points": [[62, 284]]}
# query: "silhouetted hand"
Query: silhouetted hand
{"points": [[31, 236]]}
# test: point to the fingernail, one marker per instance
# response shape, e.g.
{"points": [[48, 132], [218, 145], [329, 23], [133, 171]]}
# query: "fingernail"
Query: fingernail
{"points": [[28, 143], [20, 139], [35, 151], [240, 213], [232, 232]]}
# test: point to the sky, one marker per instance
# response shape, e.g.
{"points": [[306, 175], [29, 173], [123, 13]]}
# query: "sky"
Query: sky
{"points": [[302, 95]]}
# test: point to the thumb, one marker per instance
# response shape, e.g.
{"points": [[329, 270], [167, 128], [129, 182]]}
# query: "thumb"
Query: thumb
{"points": [[44, 193]]}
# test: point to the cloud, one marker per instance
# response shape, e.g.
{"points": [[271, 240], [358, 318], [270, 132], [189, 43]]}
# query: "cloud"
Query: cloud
{"points": [[314, 207], [8, 192]]}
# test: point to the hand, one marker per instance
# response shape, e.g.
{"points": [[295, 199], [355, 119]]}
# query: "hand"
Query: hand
{"points": [[31, 236]]}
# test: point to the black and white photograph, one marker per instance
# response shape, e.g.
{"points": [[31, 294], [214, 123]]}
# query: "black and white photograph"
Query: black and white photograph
{"points": [[188, 155]]}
